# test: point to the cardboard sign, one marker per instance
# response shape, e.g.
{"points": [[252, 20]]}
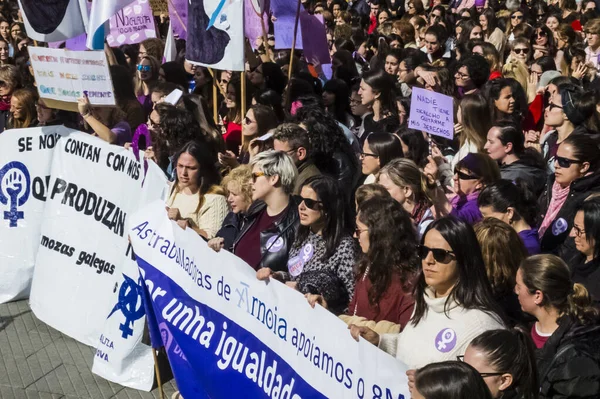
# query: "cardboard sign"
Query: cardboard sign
{"points": [[432, 112]]}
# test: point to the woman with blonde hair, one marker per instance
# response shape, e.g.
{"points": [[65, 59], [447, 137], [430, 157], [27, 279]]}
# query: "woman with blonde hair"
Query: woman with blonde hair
{"points": [[518, 71], [567, 331], [23, 113], [494, 237], [146, 76], [10, 76]]}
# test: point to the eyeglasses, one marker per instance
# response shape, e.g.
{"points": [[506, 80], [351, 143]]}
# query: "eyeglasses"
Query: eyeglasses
{"points": [[461, 358], [308, 202], [541, 34], [358, 231], [440, 255], [464, 176], [3, 83], [521, 50], [256, 175], [565, 162], [144, 68], [248, 121], [578, 232], [461, 75], [516, 17], [368, 154], [551, 106]]}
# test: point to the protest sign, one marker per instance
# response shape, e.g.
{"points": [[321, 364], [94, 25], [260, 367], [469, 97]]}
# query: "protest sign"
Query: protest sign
{"points": [[92, 189], [229, 335], [26, 156], [51, 21], [63, 76], [432, 112], [132, 24], [178, 11]]}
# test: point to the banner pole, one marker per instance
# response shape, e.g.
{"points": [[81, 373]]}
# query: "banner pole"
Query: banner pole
{"points": [[243, 102], [158, 380], [215, 105], [290, 67]]}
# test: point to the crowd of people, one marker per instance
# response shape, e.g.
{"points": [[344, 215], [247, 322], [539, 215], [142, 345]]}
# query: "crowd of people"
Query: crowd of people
{"points": [[474, 261]]}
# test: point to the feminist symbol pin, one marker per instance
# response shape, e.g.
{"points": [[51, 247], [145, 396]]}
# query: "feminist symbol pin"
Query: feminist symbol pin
{"points": [[445, 341]]}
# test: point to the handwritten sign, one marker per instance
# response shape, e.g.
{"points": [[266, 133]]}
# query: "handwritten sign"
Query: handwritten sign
{"points": [[132, 24], [432, 112], [64, 75]]}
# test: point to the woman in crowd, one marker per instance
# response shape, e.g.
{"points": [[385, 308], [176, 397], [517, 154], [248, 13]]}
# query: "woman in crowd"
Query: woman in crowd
{"points": [[586, 234], [22, 109], [238, 186], [125, 96], [234, 119], [514, 204], [414, 146], [377, 92], [502, 102], [336, 99], [378, 150], [196, 200], [471, 74], [453, 299], [152, 47], [566, 333], [10, 82], [505, 359], [575, 178], [495, 237], [491, 32], [145, 78], [449, 379], [473, 120], [108, 123], [268, 76]]}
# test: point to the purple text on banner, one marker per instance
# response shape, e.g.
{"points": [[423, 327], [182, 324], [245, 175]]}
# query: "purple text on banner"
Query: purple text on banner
{"points": [[314, 36], [178, 9], [432, 112], [132, 24]]}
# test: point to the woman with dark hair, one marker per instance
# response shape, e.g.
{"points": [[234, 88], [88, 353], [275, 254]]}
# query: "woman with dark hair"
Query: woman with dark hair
{"points": [[495, 237], [233, 120], [449, 379], [472, 73], [491, 55], [586, 234], [125, 96], [174, 72], [491, 32], [131, 56], [414, 146], [324, 246], [567, 331], [271, 99], [435, 46], [506, 361], [392, 63], [514, 204], [146, 77], [336, 99], [538, 67], [506, 145], [258, 121], [543, 43], [454, 302], [377, 90], [470, 30], [196, 200], [501, 98], [343, 67], [516, 18], [378, 150], [268, 76]]}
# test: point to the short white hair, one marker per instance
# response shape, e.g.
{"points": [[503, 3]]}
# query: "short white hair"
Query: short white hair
{"points": [[277, 163]]}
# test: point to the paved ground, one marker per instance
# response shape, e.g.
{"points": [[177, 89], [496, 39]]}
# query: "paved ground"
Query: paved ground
{"points": [[36, 361]]}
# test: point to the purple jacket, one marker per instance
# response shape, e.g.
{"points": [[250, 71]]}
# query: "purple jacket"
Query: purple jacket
{"points": [[466, 209], [531, 241]]}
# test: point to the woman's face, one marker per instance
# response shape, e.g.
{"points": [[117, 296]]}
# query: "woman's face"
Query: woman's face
{"points": [[526, 299], [237, 201], [579, 235], [520, 53], [188, 170], [411, 9], [402, 71], [541, 38], [328, 98], [310, 217], [261, 184], [554, 115], [44, 114], [362, 233], [561, 42], [516, 18], [567, 175], [465, 182], [494, 147], [224, 81], [440, 275], [16, 108], [3, 51], [356, 106], [478, 50], [256, 76], [476, 33], [392, 65], [16, 30], [432, 44], [370, 161], [145, 74], [552, 23], [506, 102], [5, 30], [366, 93], [383, 16], [142, 53], [401, 114], [397, 193], [230, 97], [478, 360], [462, 78], [250, 127], [483, 22]]}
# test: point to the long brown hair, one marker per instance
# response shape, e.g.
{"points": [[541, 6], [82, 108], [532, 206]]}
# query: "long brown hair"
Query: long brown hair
{"points": [[27, 99], [476, 120]]}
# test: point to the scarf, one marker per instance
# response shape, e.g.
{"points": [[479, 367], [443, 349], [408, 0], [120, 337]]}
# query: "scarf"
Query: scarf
{"points": [[418, 211], [5, 103], [559, 196]]}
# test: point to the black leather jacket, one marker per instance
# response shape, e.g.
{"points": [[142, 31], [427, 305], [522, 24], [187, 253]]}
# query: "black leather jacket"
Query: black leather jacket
{"points": [[275, 243]]}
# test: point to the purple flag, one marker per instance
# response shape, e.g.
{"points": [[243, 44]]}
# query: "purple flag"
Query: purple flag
{"points": [[285, 13], [132, 24], [314, 36], [252, 27], [181, 10]]}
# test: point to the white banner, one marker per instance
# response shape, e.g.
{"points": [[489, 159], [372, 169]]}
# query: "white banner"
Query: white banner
{"points": [[65, 75], [25, 158], [229, 335]]}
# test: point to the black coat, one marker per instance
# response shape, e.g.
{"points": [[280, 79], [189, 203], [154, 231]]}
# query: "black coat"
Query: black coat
{"points": [[286, 229], [533, 176], [556, 237], [230, 229], [588, 274], [568, 362]]}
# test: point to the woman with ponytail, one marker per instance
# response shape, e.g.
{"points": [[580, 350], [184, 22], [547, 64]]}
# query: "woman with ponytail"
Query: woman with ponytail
{"points": [[505, 359], [567, 331]]}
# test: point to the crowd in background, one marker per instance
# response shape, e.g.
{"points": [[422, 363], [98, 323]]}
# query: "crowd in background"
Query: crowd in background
{"points": [[475, 261]]}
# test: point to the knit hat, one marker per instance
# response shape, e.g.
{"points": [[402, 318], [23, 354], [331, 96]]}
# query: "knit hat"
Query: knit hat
{"points": [[570, 95], [547, 77], [479, 3], [472, 163]]}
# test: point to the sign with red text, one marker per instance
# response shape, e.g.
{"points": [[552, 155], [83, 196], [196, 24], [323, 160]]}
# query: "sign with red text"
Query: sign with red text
{"points": [[432, 112], [132, 24], [64, 75]]}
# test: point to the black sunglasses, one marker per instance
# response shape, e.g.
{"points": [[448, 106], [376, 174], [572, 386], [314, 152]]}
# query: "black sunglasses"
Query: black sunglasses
{"points": [[516, 17], [521, 50], [309, 203], [565, 162], [464, 176], [461, 358], [551, 106], [440, 255]]}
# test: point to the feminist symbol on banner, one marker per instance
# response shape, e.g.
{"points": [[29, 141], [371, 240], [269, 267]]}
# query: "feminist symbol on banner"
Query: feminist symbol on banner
{"points": [[142, 131], [14, 190], [130, 304]]}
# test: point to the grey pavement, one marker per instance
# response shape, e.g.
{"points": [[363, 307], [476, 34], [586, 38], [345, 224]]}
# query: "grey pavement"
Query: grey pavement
{"points": [[37, 361]]}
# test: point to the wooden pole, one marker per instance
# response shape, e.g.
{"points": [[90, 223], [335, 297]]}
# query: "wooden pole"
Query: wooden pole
{"points": [[290, 67], [158, 380], [243, 102], [215, 105]]}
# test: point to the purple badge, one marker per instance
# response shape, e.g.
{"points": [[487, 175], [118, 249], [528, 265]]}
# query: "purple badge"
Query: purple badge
{"points": [[274, 244], [295, 266], [560, 226], [445, 341], [307, 252]]}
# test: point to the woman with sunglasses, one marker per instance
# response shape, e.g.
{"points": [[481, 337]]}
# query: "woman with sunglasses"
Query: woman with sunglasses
{"points": [[567, 331], [575, 177], [516, 17], [146, 76], [454, 302], [378, 150], [505, 359], [585, 265], [543, 43], [520, 50]]}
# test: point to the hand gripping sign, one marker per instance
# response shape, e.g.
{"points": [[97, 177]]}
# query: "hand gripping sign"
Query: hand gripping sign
{"points": [[141, 131]]}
